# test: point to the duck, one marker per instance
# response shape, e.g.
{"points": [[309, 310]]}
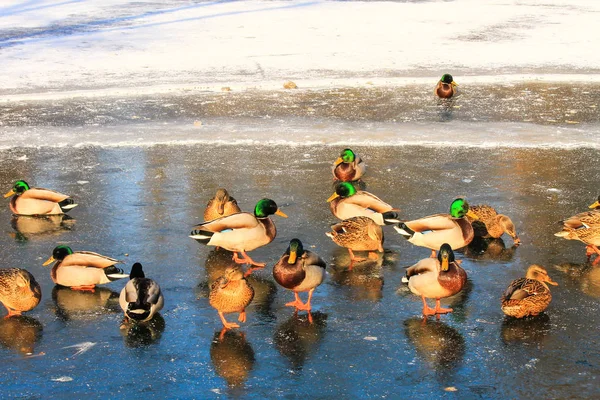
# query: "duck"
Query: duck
{"points": [[347, 202], [446, 87], [348, 167], [141, 298], [588, 234], [19, 291], [528, 296], [360, 234], [26, 200], [436, 278], [82, 270], [299, 270], [231, 293], [495, 224], [433, 231], [221, 205], [241, 232]]}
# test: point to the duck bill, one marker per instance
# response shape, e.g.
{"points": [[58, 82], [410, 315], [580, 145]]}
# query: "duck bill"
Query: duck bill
{"points": [[472, 215], [292, 257], [445, 263], [48, 261], [550, 281], [10, 193], [338, 161], [454, 83], [221, 207], [333, 197], [280, 213], [595, 205]]}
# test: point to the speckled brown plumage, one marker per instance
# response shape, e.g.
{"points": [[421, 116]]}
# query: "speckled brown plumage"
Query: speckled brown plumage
{"points": [[231, 293], [357, 233], [221, 205], [528, 296], [19, 291], [495, 224]]}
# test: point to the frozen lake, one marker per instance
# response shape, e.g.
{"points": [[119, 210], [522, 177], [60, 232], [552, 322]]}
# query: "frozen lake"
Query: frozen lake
{"points": [[141, 110]]}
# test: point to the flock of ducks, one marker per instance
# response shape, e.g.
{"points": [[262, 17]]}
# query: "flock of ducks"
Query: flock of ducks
{"points": [[362, 217]]}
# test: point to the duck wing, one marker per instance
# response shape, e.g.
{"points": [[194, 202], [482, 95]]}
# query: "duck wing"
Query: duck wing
{"points": [[234, 221], [89, 259], [369, 200], [43, 194]]}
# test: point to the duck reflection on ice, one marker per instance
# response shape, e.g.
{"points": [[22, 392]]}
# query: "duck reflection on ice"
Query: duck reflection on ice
{"points": [[28, 227], [217, 262], [299, 336], [84, 305], [528, 330], [143, 334], [439, 344], [232, 356], [489, 249], [585, 276], [20, 333], [365, 279]]}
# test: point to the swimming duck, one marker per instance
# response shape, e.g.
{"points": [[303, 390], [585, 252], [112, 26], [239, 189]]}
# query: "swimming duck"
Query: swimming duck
{"points": [[19, 291], [241, 232], [299, 270], [37, 201], [221, 205], [446, 87], [82, 270], [141, 298], [347, 202], [357, 233], [231, 293], [436, 278], [528, 296], [495, 224], [435, 230], [348, 167]]}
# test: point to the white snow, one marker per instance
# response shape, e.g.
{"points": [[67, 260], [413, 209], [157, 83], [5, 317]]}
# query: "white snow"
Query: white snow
{"points": [[66, 45]]}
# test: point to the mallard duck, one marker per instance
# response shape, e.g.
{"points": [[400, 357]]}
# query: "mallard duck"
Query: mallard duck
{"points": [[528, 296], [446, 87], [241, 232], [348, 167], [37, 201], [436, 278], [357, 233], [347, 202], [299, 270], [19, 291], [221, 205], [595, 205], [495, 224], [231, 293], [435, 230], [141, 298], [584, 227], [82, 270]]}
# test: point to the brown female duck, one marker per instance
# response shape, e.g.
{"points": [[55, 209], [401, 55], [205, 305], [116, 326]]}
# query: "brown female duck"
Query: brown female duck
{"points": [[19, 291], [495, 224], [528, 296], [231, 293], [221, 205], [359, 234]]}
